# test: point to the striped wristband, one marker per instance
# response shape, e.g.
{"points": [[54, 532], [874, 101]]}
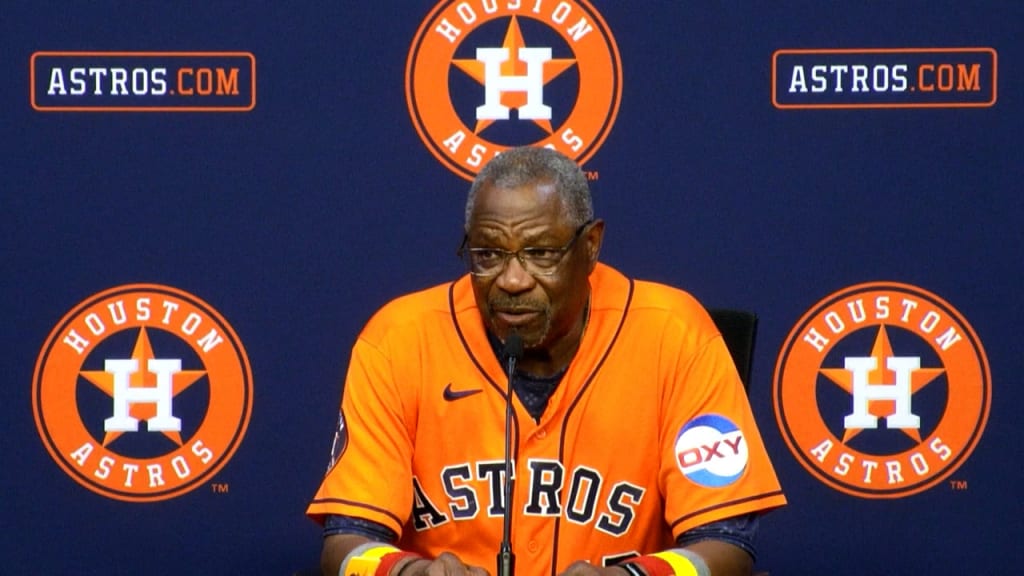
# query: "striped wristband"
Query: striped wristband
{"points": [[667, 563], [372, 559], [684, 562], [388, 561]]}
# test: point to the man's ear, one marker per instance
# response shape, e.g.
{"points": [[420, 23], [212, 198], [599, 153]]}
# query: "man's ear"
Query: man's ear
{"points": [[593, 240]]}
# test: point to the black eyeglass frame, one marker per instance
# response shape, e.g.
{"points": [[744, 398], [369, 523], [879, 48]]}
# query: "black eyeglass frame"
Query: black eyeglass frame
{"points": [[465, 254]]}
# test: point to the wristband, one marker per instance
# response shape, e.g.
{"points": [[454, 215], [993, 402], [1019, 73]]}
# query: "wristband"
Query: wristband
{"points": [[681, 564], [651, 565], [365, 559], [666, 563], [388, 561]]}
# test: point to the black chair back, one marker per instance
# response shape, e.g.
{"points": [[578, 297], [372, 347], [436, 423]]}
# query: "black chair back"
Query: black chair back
{"points": [[739, 329]]}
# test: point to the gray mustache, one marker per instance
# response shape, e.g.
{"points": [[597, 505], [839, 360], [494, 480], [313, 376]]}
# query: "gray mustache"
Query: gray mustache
{"points": [[515, 306]]}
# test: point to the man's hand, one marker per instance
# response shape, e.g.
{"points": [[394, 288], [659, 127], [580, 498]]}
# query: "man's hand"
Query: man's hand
{"points": [[582, 568], [447, 564]]}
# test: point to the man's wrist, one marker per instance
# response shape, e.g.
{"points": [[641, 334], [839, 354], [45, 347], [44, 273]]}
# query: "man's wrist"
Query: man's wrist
{"points": [[405, 566], [389, 563], [364, 559]]}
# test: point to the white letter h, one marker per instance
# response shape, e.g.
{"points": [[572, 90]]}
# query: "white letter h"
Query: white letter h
{"points": [[900, 392], [495, 84], [125, 395]]}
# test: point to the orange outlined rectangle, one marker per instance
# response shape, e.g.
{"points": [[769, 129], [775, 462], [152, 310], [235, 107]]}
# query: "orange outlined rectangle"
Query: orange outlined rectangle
{"points": [[920, 94], [179, 93]]}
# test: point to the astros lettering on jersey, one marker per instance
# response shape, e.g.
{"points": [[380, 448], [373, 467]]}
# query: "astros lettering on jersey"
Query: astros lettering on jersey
{"points": [[649, 433]]}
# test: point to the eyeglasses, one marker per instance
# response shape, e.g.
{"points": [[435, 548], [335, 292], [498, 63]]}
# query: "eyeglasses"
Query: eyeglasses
{"points": [[538, 261]]}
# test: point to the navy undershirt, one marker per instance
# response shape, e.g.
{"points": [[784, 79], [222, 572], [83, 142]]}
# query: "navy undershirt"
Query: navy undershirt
{"points": [[533, 391]]}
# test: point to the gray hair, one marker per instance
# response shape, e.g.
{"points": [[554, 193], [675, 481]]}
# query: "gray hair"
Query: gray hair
{"points": [[525, 165]]}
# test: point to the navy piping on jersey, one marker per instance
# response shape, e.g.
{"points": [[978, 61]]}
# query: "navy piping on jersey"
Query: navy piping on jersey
{"points": [[572, 406], [479, 367]]}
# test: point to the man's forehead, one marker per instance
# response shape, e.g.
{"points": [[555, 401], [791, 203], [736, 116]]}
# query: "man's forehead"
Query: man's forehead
{"points": [[540, 196], [523, 220]]}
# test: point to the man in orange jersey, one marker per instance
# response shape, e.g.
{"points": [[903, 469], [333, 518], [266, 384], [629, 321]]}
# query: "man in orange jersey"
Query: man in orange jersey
{"points": [[633, 448]]}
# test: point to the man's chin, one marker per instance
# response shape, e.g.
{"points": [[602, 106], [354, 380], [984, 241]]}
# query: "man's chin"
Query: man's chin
{"points": [[531, 337]]}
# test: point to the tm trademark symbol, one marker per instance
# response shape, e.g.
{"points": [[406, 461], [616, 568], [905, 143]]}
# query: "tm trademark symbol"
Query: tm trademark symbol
{"points": [[219, 487], [958, 485], [593, 175]]}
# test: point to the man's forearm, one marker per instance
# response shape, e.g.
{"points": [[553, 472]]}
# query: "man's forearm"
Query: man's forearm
{"points": [[336, 548]]}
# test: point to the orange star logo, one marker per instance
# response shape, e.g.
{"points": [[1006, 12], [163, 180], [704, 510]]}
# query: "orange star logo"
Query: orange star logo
{"points": [[882, 384], [203, 423], [880, 351], [568, 104], [142, 378], [513, 67]]}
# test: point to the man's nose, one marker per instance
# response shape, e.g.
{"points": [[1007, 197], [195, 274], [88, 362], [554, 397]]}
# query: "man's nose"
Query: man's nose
{"points": [[514, 278]]}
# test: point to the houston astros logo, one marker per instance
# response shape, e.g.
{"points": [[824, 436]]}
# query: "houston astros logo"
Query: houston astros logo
{"points": [[142, 393], [882, 390], [485, 75]]}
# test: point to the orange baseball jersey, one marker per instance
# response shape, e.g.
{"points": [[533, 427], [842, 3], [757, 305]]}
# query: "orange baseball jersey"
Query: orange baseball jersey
{"points": [[648, 434]]}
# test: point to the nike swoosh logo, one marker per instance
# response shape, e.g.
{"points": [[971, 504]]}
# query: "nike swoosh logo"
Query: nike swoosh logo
{"points": [[451, 395]]}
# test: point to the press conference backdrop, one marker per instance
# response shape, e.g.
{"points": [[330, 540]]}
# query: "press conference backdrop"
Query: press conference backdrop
{"points": [[222, 193]]}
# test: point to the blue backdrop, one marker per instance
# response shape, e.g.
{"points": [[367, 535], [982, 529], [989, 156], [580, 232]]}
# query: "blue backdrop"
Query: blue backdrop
{"points": [[298, 218]]}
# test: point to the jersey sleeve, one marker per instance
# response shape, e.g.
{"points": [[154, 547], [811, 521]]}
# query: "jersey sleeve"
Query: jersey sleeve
{"points": [[370, 474], [714, 464]]}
